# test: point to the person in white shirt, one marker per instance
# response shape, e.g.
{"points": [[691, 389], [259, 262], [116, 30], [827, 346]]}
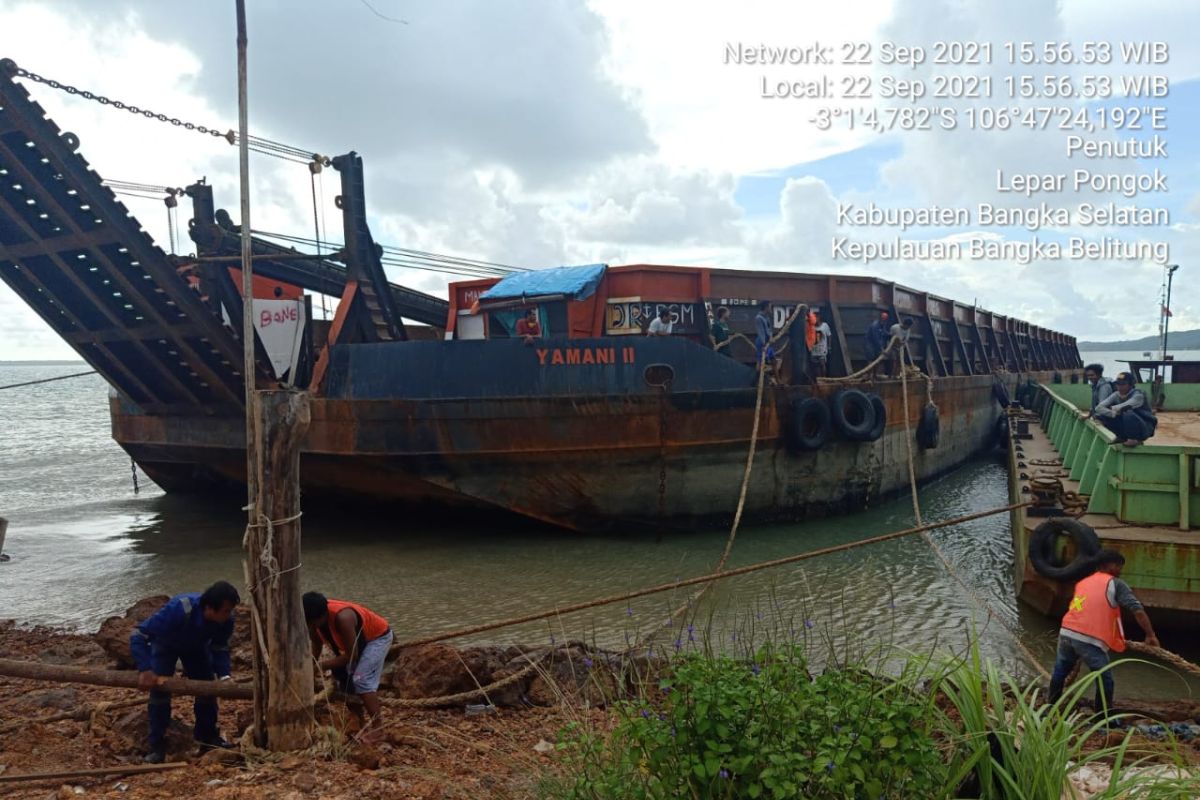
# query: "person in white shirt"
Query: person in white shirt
{"points": [[818, 357], [900, 331], [661, 325]]}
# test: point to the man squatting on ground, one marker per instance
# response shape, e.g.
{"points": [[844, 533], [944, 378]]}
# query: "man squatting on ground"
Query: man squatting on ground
{"points": [[359, 639], [193, 628], [1092, 628]]}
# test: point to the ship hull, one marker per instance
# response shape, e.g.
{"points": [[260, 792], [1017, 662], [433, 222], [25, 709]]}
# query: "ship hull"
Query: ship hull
{"points": [[585, 462]]}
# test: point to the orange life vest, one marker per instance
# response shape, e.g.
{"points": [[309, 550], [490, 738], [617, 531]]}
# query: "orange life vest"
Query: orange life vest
{"points": [[1091, 614], [373, 625], [810, 330]]}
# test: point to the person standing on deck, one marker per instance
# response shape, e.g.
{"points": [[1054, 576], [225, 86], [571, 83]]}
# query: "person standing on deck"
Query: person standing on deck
{"points": [[1126, 412], [877, 339], [818, 356], [1092, 628], [721, 332], [193, 628], [359, 639], [900, 354], [1101, 386], [762, 333], [661, 325]]}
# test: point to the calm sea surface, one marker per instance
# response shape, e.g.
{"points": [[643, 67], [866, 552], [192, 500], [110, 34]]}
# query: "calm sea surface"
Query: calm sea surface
{"points": [[84, 546]]}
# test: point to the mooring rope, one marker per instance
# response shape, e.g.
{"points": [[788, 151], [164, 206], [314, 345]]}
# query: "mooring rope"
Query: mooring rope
{"points": [[448, 699], [48, 380], [679, 584], [912, 477], [741, 503]]}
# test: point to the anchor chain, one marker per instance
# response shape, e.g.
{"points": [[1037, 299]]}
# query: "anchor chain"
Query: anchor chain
{"points": [[133, 469], [256, 143]]}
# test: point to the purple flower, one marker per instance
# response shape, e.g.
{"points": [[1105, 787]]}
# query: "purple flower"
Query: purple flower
{"points": [[808, 623], [691, 628], [755, 668], [629, 611], [587, 662], [724, 773], [733, 637], [666, 690], [645, 714], [829, 766], [678, 645], [662, 717], [759, 615]]}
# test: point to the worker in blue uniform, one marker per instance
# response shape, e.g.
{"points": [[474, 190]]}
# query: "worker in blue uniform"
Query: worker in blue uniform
{"points": [[193, 628]]}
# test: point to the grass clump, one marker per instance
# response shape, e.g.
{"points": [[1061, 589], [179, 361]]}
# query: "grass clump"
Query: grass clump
{"points": [[721, 727]]}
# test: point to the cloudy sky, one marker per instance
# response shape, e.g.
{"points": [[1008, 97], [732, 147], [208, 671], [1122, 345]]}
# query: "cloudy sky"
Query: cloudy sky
{"points": [[574, 131]]}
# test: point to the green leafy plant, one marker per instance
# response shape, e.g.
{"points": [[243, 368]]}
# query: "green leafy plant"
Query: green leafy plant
{"points": [[724, 728]]}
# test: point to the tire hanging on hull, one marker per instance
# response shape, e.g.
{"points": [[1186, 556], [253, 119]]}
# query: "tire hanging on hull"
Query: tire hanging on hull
{"points": [[853, 415], [1043, 543], [809, 427]]}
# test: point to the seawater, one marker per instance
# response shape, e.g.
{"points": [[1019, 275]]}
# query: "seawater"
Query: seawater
{"points": [[84, 546]]}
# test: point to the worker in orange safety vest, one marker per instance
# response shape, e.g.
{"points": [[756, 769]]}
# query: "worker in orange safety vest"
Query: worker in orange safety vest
{"points": [[1091, 627]]}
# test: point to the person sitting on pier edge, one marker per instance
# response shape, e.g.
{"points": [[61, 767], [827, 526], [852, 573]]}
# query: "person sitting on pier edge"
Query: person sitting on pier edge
{"points": [[877, 339], [1126, 412], [1092, 626], [359, 639], [528, 327], [1101, 386], [818, 354], [900, 355], [193, 628], [661, 325], [720, 331]]}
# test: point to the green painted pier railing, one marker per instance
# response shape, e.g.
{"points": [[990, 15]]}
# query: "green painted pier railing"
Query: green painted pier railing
{"points": [[1146, 485]]}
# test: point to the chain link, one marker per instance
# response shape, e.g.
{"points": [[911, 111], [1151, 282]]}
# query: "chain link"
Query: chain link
{"points": [[265, 146]]}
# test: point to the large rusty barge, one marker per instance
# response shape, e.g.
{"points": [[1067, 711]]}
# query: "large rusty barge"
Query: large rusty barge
{"points": [[440, 403]]}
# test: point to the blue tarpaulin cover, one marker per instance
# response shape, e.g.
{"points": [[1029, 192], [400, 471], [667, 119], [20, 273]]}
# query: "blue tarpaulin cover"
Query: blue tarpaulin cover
{"points": [[574, 282]]}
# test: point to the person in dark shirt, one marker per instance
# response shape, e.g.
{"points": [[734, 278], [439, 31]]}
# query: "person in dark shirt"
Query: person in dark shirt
{"points": [[721, 332], [1126, 412], [193, 628], [877, 339]]}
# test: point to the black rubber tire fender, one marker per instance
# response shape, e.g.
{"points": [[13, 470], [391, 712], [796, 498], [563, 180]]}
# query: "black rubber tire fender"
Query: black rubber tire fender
{"points": [[810, 426], [929, 429], [880, 417], [853, 415], [1002, 432], [1000, 392], [1043, 543]]}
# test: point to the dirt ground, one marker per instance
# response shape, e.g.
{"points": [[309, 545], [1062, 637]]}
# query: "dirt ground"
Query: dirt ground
{"points": [[442, 753], [422, 753]]}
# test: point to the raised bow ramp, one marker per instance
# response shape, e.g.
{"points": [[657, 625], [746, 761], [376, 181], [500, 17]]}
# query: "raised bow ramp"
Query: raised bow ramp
{"points": [[76, 255]]}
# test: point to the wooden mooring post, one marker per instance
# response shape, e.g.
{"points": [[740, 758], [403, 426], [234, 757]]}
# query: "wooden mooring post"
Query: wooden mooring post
{"points": [[285, 682], [275, 424]]}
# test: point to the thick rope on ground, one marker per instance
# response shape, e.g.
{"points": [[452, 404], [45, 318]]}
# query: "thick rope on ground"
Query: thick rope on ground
{"points": [[450, 699]]}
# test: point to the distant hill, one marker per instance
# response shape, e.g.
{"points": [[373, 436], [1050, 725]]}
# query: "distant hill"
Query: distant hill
{"points": [[1178, 340]]}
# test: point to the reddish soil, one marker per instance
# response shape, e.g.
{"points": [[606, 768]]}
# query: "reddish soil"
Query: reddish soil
{"points": [[421, 753]]}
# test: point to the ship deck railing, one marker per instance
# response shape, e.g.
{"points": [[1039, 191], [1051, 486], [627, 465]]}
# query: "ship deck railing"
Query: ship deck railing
{"points": [[1155, 483]]}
